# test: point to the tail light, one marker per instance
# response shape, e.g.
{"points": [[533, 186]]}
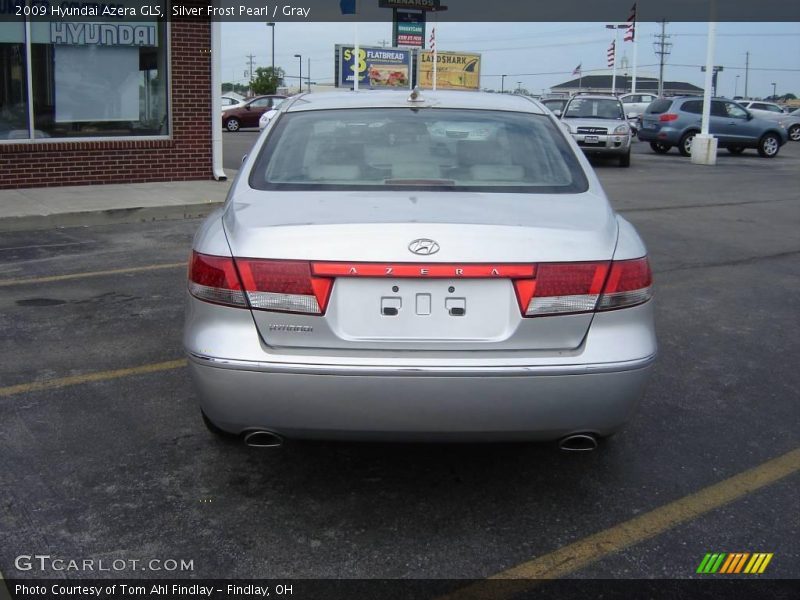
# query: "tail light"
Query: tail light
{"points": [[303, 287], [666, 117], [214, 279], [562, 288], [280, 285]]}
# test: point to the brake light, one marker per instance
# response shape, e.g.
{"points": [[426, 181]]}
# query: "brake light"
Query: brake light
{"points": [[284, 285], [280, 285], [563, 288], [214, 279], [629, 283], [667, 117]]}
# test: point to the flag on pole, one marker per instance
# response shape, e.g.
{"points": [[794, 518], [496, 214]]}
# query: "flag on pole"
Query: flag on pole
{"points": [[630, 32], [435, 55], [348, 7], [612, 53], [577, 70]]}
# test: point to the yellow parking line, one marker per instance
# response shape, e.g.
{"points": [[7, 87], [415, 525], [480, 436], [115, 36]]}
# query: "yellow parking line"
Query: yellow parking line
{"points": [[51, 384], [51, 278], [575, 556]]}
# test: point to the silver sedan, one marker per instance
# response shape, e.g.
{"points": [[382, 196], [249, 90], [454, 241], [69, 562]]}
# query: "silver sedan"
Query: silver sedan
{"points": [[424, 266]]}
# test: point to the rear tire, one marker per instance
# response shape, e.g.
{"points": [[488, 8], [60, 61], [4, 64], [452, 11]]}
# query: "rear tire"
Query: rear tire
{"points": [[769, 145], [794, 133], [625, 159], [660, 148], [232, 125], [735, 149], [685, 145]]}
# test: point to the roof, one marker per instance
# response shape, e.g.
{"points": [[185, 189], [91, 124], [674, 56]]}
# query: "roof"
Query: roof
{"points": [[429, 99], [643, 84]]}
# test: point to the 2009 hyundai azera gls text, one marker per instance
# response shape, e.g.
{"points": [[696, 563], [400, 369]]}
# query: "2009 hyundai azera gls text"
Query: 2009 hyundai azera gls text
{"points": [[429, 266]]}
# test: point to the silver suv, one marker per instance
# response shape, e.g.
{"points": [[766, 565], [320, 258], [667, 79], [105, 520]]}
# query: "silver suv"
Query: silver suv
{"points": [[599, 126]]}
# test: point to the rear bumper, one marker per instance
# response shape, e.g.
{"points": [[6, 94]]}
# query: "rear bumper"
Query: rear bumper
{"points": [[419, 403]]}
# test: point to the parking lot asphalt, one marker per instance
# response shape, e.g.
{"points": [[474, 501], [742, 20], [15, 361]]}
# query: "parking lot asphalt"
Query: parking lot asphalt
{"points": [[103, 454]]}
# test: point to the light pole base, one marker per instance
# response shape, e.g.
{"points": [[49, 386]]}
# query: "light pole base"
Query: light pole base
{"points": [[704, 150]]}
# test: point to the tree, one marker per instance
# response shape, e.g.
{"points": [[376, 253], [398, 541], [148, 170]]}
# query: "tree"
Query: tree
{"points": [[266, 80]]}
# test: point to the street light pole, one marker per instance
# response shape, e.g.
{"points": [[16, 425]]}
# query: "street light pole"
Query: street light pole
{"points": [[300, 84], [503, 83], [735, 87], [272, 26]]}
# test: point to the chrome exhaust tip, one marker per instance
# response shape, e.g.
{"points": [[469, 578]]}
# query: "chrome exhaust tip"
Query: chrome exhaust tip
{"points": [[263, 439], [578, 442]]}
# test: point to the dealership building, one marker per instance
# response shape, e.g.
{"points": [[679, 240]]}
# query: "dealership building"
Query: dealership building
{"points": [[108, 102]]}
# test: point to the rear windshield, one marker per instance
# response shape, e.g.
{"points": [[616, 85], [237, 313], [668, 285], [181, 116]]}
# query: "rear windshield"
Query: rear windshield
{"points": [[420, 148], [658, 106], [594, 108]]}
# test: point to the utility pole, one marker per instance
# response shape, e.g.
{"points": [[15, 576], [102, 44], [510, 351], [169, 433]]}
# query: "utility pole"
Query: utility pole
{"points": [[746, 72], [663, 48], [250, 62]]}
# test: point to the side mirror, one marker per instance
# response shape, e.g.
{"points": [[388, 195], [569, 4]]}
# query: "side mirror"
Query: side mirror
{"points": [[749, 116], [557, 112]]}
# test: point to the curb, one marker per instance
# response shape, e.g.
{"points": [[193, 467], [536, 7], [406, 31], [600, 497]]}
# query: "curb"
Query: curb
{"points": [[112, 216]]}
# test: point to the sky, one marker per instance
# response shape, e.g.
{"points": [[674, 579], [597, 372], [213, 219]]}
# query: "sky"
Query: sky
{"points": [[539, 55]]}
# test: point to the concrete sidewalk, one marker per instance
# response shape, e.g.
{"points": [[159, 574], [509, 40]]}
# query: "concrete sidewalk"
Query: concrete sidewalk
{"points": [[75, 206]]}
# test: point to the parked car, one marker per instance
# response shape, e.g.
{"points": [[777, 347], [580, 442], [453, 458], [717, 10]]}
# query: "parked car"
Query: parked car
{"points": [[248, 113], [773, 112], [675, 121], [599, 126], [764, 106], [264, 120], [434, 266], [635, 104]]}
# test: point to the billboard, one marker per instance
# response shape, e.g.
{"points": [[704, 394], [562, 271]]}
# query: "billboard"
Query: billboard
{"points": [[374, 67], [409, 29], [454, 70]]}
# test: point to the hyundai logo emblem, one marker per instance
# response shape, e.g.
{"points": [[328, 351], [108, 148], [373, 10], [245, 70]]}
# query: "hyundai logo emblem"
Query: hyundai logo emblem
{"points": [[424, 246]]}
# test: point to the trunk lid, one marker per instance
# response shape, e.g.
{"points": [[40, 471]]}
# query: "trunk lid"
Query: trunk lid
{"points": [[418, 305]]}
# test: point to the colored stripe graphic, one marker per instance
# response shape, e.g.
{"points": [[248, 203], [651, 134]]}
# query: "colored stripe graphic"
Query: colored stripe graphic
{"points": [[734, 562]]}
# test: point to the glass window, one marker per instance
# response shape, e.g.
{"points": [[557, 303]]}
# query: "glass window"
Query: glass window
{"points": [[660, 106], [261, 103], [693, 106], [431, 149], [13, 80], [95, 79], [735, 111], [594, 108]]}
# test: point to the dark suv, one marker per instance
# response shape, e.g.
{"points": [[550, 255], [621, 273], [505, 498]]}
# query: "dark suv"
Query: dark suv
{"points": [[672, 122]]}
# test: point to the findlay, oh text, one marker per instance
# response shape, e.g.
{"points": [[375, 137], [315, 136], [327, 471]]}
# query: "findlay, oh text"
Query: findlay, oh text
{"points": [[240, 11]]}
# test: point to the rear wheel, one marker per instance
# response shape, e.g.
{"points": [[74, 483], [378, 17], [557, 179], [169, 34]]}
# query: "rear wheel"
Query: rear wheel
{"points": [[660, 148], [232, 125], [769, 145], [735, 149], [625, 159], [685, 145], [794, 133]]}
